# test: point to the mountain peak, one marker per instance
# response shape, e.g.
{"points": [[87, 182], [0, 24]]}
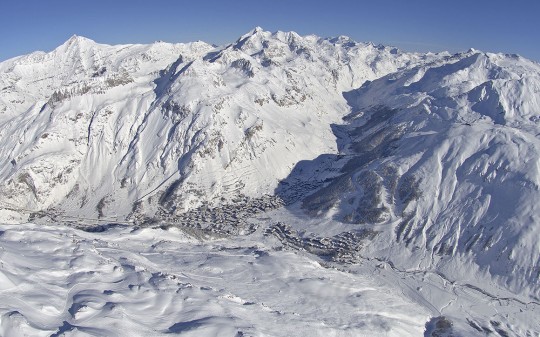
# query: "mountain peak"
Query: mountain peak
{"points": [[253, 37], [256, 30], [79, 41]]}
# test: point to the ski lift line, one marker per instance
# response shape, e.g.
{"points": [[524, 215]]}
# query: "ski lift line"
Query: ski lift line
{"points": [[157, 187]]}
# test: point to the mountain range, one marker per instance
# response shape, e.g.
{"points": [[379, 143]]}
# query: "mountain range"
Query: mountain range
{"points": [[429, 162]]}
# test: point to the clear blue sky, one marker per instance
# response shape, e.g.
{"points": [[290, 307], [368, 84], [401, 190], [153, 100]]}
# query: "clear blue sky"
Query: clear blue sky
{"points": [[414, 25]]}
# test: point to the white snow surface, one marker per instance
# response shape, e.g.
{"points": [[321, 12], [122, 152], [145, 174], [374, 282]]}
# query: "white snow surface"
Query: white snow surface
{"points": [[427, 164], [59, 281]]}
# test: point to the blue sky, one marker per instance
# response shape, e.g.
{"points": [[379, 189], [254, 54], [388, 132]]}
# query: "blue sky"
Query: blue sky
{"points": [[414, 25]]}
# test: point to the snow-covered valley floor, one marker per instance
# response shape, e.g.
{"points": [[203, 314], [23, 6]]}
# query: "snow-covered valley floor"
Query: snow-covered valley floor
{"points": [[60, 281]]}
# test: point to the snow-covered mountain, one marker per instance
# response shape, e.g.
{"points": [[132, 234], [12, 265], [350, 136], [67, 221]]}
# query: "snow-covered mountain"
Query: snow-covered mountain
{"points": [[424, 166], [176, 125], [465, 142], [443, 159]]}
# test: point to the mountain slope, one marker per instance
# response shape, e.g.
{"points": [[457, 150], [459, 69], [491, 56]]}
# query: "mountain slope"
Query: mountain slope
{"points": [[443, 159], [113, 129]]}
